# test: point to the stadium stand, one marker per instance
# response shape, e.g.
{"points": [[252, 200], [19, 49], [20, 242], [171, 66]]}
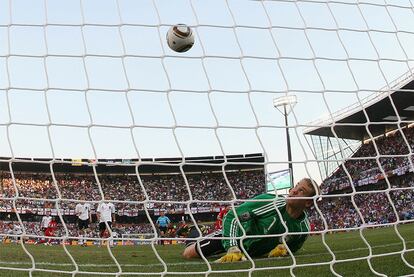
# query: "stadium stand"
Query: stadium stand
{"points": [[375, 207], [363, 166], [374, 184], [204, 187]]}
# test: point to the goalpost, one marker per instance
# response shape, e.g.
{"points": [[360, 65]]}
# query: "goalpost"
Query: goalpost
{"points": [[95, 80]]}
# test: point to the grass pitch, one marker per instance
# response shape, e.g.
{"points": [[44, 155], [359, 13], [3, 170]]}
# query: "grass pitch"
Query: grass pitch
{"points": [[313, 259]]}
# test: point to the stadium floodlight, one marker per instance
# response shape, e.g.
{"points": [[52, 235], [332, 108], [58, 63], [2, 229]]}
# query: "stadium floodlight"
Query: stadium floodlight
{"points": [[287, 102]]}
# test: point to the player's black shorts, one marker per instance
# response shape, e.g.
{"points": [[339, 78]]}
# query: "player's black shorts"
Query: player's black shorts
{"points": [[208, 247], [163, 229], [102, 226], [83, 224]]}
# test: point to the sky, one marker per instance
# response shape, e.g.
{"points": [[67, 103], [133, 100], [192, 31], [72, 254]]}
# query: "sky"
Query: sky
{"points": [[96, 79]]}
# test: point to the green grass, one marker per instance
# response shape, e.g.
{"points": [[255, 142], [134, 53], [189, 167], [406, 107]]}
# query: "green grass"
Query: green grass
{"points": [[142, 259]]}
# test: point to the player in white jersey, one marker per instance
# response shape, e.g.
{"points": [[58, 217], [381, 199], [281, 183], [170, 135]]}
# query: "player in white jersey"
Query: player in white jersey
{"points": [[44, 224], [45, 221], [15, 231], [106, 216], [83, 213]]}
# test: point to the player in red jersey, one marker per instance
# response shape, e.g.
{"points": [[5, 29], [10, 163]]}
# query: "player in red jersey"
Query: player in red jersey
{"points": [[220, 216], [50, 230]]}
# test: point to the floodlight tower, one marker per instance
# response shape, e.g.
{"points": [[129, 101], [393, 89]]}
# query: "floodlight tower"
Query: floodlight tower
{"points": [[287, 102]]}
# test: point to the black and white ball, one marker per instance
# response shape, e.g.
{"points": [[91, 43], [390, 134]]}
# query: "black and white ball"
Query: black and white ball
{"points": [[180, 38]]}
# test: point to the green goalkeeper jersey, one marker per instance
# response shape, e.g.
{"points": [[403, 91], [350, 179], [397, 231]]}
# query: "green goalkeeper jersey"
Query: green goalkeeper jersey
{"points": [[261, 218]]}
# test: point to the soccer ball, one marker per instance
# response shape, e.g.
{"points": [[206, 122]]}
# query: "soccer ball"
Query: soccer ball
{"points": [[180, 38]]}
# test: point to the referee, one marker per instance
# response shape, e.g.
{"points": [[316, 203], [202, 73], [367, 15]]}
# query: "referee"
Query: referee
{"points": [[162, 223]]}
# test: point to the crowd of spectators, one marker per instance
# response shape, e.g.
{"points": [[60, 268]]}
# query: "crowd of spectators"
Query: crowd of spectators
{"points": [[172, 187], [363, 167], [375, 205], [368, 179]]}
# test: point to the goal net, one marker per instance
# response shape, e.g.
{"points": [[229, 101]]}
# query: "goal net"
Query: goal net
{"points": [[97, 109]]}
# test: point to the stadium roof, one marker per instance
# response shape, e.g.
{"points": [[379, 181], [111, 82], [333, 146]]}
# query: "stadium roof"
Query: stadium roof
{"points": [[145, 166], [352, 123]]}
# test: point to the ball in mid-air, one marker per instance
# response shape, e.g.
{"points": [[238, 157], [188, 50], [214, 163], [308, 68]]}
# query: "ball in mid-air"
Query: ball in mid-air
{"points": [[180, 38]]}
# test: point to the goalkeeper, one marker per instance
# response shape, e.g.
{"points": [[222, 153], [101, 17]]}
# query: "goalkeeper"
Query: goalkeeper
{"points": [[258, 219]]}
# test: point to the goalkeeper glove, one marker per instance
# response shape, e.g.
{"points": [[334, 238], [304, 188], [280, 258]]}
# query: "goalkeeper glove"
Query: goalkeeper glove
{"points": [[233, 255], [278, 251]]}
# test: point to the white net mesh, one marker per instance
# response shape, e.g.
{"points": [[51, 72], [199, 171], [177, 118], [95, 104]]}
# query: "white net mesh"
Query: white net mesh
{"points": [[96, 108]]}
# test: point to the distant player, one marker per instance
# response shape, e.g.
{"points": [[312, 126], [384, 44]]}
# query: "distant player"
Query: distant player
{"points": [[83, 213], [260, 218], [218, 225], [183, 230], [106, 216], [115, 236], [44, 224], [162, 223], [50, 230], [15, 231]]}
